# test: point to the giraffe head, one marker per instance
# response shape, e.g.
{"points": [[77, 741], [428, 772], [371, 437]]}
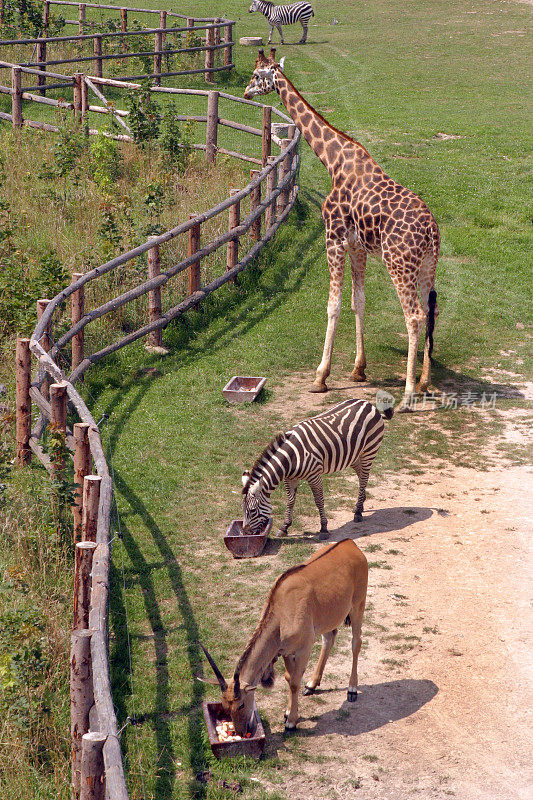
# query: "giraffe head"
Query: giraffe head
{"points": [[264, 74]]}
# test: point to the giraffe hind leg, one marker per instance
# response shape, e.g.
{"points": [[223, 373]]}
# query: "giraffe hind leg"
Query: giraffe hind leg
{"points": [[428, 297]]}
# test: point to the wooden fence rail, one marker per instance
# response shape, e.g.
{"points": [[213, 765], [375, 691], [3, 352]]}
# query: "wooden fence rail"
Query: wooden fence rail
{"points": [[97, 768]]}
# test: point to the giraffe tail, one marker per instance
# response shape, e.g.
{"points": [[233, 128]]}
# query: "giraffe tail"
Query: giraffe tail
{"points": [[430, 327]]}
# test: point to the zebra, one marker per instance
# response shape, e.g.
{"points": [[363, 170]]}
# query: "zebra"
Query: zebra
{"points": [[347, 435], [284, 15]]}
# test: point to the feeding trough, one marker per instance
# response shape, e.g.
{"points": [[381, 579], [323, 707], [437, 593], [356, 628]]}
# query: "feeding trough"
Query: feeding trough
{"points": [[243, 388], [254, 746], [245, 545], [251, 41]]}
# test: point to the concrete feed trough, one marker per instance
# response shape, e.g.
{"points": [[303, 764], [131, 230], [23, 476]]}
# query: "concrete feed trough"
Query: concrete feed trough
{"points": [[245, 545], [243, 388], [251, 41], [254, 746]]}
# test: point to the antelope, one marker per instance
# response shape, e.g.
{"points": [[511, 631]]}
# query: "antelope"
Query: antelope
{"points": [[308, 599]]}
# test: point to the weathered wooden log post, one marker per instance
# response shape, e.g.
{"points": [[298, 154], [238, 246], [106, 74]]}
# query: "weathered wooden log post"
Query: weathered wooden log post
{"points": [[209, 53], [46, 343], [163, 24], [218, 20], [193, 245], [46, 17], [76, 96], [41, 58], [82, 467], [190, 25], [92, 781], [84, 103], [272, 182], [81, 18], [234, 221], [282, 173], [266, 134], [81, 700], [124, 27], [211, 136], [158, 42], [16, 97], [77, 309], [23, 400], [255, 201], [154, 338], [58, 405], [98, 56], [91, 501], [228, 41], [83, 565]]}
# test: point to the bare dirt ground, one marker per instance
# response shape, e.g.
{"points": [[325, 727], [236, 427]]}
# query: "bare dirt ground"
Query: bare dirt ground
{"points": [[445, 672]]}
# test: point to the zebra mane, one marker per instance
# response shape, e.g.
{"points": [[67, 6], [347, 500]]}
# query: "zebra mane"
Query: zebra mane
{"points": [[271, 448]]}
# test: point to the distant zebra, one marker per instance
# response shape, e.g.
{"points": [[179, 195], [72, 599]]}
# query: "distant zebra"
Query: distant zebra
{"points": [[347, 435], [284, 15]]}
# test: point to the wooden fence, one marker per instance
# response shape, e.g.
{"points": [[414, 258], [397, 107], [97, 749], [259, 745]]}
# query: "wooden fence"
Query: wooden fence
{"points": [[217, 44], [97, 768]]}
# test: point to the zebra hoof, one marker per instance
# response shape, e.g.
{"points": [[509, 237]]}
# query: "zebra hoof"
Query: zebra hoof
{"points": [[357, 517], [282, 532], [323, 535], [307, 690], [352, 696]]}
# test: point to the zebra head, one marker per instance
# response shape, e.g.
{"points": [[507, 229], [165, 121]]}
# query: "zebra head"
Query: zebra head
{"points": [[264, 74], [256, 505], [254, 7]]}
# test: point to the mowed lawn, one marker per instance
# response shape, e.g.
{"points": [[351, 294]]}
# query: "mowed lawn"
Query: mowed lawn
{"points": [[437, 92]]}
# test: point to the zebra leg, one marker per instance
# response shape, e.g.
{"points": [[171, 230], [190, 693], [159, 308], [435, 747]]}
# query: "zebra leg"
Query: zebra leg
{"points": [[362, 469], [280, 31], [318, 494], [291, 487], [304, 34], [271, 31]]}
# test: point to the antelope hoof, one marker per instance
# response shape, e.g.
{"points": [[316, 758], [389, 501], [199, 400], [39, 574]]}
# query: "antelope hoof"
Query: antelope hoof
{"points": [[318, 387], [357, 517], [352, 695], [290, 727], [307, 690], [358, 375]]}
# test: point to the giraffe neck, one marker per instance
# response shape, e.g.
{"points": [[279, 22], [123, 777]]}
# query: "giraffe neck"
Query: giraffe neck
{"points": [[330, 145]]}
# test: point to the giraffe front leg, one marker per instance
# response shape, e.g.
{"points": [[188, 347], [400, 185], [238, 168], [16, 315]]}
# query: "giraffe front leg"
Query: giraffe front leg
{"points": [[336, 260], [358, 262], [291, 487]]}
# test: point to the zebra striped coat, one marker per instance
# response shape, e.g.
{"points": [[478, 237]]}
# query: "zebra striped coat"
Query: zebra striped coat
{"points": [[284, 15], [347, 435]]}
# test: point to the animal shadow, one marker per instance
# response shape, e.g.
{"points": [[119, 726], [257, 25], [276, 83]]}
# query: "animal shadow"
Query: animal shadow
{"points": [[383, 520]]}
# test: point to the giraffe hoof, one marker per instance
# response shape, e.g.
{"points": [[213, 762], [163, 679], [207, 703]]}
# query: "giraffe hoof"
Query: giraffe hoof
{"points": [[307, 690], [358, 375], [352, 696], [318, 388]]}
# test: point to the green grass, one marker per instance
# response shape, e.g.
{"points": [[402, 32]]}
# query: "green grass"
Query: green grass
{"points": [[178, 450]]}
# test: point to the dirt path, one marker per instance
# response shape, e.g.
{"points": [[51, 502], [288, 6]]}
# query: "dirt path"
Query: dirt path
{"points": [[446, 692]]}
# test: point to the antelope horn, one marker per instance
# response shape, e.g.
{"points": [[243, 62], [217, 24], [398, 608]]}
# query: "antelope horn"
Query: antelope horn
{"points": [[236, 685], [220, 678]]}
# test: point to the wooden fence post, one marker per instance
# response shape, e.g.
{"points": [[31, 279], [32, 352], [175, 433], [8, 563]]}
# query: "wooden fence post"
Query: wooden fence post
{"points": [[124, 27], [77, 308], [193, 246], [217, 31], [266, 136], [58, 404], [211, 136], [209, 60], [158, 42], [91, 501], [23, 400], [92, 781], [76, 96], [81, 700], [272, 180], [81, 18], [46, 17], [282, 170], [83, 564], [154, 338], [255, 201], [228, 36], [41, 57], [82, 467], [16, 97], [84, 102], [46, 343], [234, 221], [98, 56]]}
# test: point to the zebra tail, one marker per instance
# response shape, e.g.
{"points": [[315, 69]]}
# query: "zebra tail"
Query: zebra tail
{"points": [[432, 302]]}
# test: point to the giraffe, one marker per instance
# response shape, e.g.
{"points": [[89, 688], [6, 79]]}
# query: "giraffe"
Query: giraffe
{"points": [[365, 212]]}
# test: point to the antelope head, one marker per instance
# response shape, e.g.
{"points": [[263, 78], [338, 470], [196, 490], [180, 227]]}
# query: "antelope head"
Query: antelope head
{"points": [[237, 700], [256, 505], [264, 74]]}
